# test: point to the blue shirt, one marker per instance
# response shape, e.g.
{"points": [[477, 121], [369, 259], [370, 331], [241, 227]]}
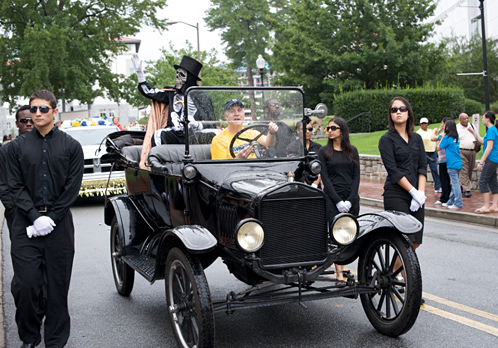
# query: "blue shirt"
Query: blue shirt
{"points": [[492, 134], [452, 150]]}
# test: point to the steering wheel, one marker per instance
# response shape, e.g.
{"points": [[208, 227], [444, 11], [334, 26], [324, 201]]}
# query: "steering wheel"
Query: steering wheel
{"points": [[259, 150]]}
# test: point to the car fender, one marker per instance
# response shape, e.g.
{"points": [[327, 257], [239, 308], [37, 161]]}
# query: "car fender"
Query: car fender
{"points": [[372, 222], [130, 221], [196, 239], [402, 222]]}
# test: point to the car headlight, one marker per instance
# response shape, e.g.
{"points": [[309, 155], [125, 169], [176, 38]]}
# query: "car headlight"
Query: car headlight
{"points": [[344, 229], [250, 235], [315, 167]]}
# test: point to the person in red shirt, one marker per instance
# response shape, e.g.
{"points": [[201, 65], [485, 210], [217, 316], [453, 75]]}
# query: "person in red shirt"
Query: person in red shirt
{"points": [[115, 121]]}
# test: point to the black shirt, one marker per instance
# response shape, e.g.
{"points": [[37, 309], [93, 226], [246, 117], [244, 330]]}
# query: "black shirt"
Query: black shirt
{"points": [[340, 176], [45, 171], [4, 192], [402, 159], [296, 148]]}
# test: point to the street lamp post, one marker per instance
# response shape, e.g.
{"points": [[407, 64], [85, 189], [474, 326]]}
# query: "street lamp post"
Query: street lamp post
{"points": [[484, 56], [261, 63], [198, 43]]}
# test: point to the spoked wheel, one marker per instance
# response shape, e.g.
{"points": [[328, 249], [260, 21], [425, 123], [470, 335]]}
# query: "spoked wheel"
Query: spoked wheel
{"points": [[390, 265], [189, 300], [124, 275]]}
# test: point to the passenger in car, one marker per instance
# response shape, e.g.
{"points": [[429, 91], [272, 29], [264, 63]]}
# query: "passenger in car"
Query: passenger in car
{"points": [[234, 114], [284, 133]]}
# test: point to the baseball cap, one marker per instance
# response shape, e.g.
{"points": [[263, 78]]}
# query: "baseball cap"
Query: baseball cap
{"points": [[232, 102], [424, 120]]}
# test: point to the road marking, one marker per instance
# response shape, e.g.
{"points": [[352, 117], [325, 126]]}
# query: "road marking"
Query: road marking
{"points": [[461, 320], [460, 307]]}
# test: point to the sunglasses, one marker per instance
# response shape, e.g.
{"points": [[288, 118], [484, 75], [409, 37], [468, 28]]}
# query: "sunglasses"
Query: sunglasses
{"points": [[309, 129], [329, 128], [43, 109], [394, 110], [274, 104], [26, 120]]}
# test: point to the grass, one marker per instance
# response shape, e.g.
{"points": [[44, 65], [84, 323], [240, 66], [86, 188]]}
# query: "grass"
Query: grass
{"points": [[367, 143]]}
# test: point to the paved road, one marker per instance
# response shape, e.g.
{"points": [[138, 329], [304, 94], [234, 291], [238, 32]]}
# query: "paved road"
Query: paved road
{"points": [[458, 264]]}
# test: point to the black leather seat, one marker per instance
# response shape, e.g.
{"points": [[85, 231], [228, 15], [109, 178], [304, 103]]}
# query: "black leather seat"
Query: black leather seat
{"points": [[169, 158]]}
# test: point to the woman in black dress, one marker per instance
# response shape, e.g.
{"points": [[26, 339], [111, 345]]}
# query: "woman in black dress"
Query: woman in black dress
{"points": [[340, 174], [403, 154]]}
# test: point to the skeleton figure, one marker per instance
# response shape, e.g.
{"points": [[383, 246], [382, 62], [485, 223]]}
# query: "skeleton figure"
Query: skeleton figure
{"points": [[187, 75]]}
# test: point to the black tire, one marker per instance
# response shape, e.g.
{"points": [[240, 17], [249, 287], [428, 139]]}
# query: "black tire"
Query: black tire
{"points": [[189, 300], [124, 275], [394, 307]]}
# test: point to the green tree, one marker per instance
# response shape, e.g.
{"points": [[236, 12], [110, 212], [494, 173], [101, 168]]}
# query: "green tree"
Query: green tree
{"points": [[161, 73], [245, 29], [328, 46], [66, 46], [465, 56]]}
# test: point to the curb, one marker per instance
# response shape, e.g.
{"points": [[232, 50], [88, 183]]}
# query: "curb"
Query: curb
{"points": [[472, 218]]}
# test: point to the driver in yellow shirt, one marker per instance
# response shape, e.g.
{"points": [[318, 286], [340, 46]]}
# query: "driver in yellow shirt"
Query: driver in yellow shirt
{"points": [[234, 114]]}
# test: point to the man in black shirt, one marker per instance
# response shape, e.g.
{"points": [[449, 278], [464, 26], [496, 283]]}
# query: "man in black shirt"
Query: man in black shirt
{"points": [[25, 124], [284, 133], [44, 173]]}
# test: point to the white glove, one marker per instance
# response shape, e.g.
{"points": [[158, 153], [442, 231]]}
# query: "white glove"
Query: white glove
{"points": [[348, 205], [44, 225], [31, 231], [342, 207], [195, 125], [418, 195], [137, 64], [414, 206]]}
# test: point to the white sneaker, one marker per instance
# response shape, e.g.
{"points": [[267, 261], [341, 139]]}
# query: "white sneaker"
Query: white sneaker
{"points": [[437, 203], [453, 207], [444, 204], [438, 191]]}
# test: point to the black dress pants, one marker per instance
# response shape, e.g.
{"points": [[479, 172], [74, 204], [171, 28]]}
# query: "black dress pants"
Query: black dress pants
{"points": [[37, 262]]}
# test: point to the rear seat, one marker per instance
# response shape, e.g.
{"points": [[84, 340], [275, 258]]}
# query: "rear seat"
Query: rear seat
{"points": [[170, 157], [132, 154]]}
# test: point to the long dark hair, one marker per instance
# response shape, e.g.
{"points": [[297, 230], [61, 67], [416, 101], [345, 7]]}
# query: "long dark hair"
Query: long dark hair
{"points": [[451, 130], [347, 149], [409, 123], [491, 116]]}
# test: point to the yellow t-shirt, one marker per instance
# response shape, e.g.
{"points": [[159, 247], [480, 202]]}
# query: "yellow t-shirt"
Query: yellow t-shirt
{"points": [[429, 145], [220, 146]]}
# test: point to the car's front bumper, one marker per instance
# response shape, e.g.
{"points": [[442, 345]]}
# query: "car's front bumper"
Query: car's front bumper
{"points": [[99, 184]]}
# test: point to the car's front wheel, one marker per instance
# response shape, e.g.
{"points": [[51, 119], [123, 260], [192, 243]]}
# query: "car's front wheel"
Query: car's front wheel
{"points": [[124, 275], [390, 265], [189, 300]]}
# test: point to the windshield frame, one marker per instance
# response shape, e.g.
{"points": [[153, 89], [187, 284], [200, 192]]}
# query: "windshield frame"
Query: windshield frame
{"points": [[186, 121]]}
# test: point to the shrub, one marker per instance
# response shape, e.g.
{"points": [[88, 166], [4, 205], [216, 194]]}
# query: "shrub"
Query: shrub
{"points": [[433, 103], [494, 107], [473, 107]]}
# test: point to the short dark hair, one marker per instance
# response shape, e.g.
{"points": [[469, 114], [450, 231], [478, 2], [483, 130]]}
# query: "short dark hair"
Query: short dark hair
{"points": [[45, 95], [22, 108]]}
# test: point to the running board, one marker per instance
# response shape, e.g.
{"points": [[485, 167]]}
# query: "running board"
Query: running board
{"points": [[144, 265]]}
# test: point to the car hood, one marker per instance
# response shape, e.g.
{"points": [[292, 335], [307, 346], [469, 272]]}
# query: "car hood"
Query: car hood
{"points": [[90, 150], [250, 184]]}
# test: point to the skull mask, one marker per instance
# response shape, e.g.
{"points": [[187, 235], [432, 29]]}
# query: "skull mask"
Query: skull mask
{"points": [[181, 78]]}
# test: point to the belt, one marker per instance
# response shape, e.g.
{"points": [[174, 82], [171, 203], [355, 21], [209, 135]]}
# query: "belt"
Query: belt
{"points": [[467, 149], [43, 209]]}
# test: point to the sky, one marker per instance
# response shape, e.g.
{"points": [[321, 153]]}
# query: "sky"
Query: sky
{"points": [[189, 11]]}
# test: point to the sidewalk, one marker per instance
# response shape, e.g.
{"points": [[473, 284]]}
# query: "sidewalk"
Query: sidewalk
{"points": [[371, 194]]}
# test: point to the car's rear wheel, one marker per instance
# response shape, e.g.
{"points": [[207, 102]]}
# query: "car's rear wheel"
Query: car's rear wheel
{"points": [[189, 300], [390, 265], [124, 275]]}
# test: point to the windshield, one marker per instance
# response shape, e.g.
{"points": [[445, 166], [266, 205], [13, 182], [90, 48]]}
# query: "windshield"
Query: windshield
{"points": [[90, 135], [247, 123]]}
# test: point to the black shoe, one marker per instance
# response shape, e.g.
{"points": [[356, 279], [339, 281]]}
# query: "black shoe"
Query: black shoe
{"points": [[422, 301], [28, 345], [467, 194]]}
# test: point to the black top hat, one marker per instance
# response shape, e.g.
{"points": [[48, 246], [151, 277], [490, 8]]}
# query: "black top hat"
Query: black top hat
{"points": [[191, 65]]}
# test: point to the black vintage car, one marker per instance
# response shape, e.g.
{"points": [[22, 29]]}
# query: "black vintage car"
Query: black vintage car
{"points": [[260, 215]]}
